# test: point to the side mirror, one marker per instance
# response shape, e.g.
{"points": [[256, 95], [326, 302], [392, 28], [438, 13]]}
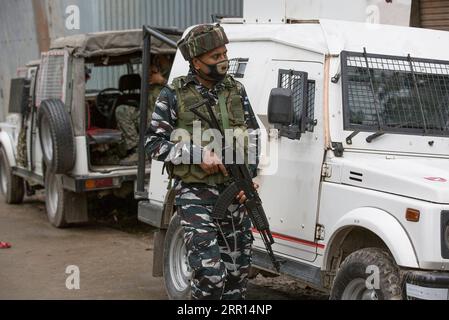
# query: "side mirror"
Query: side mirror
{"points": [[280, 106]]}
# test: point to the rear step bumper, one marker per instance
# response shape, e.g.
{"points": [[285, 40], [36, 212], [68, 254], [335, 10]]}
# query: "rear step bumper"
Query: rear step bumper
{"points": [[92, 182], [85, 184]]}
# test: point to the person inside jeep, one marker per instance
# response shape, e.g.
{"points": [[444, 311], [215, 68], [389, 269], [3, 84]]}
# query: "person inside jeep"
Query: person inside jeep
{"points": [[127, 117]]}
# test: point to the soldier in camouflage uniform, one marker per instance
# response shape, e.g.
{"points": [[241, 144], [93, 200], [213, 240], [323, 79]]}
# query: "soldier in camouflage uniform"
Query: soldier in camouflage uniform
{"points": [[218, 251], [128, 116]]}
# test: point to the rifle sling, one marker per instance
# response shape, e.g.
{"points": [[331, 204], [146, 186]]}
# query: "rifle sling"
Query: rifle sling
{"points": [[223, 110]]}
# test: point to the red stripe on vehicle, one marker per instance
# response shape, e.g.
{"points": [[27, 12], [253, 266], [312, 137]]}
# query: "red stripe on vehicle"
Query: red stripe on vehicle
{"points": [[293, 239]]}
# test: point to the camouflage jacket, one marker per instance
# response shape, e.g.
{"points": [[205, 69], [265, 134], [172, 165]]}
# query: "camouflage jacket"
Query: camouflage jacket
{"points": [[158, 145], [153, 94]]}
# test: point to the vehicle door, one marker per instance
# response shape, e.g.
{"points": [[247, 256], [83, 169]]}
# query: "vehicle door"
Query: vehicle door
{"points": [[290, 195]]}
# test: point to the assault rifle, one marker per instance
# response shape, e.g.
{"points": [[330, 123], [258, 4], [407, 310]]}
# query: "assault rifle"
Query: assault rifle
{"points": [[240, 180]]}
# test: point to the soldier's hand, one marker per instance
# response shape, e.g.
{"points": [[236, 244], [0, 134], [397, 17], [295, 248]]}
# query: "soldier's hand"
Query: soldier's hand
{"points": [[242, 197], [212, 163]]}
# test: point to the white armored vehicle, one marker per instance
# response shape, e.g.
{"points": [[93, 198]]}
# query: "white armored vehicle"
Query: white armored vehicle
{"points": [[356, 186]]}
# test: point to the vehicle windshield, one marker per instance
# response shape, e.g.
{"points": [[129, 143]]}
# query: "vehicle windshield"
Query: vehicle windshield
{"points": [[102, 77], [395, 94]]}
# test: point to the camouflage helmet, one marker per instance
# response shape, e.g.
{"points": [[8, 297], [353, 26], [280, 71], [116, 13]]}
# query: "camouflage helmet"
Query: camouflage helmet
{"points": [[201, 39]]}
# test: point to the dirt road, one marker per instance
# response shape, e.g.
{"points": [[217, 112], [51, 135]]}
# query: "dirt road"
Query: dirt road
{"points": [[113, 264]]}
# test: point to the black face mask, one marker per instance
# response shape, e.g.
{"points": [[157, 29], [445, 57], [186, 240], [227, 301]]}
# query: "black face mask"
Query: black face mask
{"points": [[217, 72]]}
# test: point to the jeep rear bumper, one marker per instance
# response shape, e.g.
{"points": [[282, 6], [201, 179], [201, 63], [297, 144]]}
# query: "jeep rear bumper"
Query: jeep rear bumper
{"points": [[87, 183], [426, 285]]}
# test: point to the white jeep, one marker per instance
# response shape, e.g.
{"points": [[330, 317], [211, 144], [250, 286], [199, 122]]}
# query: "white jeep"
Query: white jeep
{"points": [[61, 126], [358, 202]]}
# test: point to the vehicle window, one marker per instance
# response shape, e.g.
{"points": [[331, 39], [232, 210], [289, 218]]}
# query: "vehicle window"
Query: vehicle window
{"points": [[237, 67], [31, 73], [137, 68], [102, 77], [395, 94]]}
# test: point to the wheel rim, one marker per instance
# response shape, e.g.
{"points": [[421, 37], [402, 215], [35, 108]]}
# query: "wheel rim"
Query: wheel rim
{"points": [[357, 290], [47, 142], [52, 195], [179, 268], [3, 176]]}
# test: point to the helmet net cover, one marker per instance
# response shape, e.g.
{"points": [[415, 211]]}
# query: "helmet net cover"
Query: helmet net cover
{"points": [[202, 39]]}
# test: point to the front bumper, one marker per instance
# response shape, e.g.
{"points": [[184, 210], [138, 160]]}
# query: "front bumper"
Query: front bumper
{"points": [[426, 285]]}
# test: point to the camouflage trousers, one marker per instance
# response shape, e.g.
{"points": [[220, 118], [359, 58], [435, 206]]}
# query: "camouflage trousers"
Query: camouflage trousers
{"points": [[218, 251], [127, 118]]}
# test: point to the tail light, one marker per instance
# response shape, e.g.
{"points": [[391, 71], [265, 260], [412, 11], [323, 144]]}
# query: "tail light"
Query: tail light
{"points": [[99, 183]]}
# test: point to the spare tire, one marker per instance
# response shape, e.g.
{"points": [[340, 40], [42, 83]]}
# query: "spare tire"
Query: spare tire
{"points": [[56, 136]]}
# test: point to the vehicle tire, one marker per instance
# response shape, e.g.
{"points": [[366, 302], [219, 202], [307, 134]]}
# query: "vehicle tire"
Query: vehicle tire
{"points": [[350, 282], [176, 270], [11, 186], [55, 197], [56, 136]]}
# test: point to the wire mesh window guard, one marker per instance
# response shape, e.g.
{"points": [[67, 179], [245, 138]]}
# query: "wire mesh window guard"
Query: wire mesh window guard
{"points": [[395, 94], [51, 77], [298, 83], [237, 67], [310, 105]]}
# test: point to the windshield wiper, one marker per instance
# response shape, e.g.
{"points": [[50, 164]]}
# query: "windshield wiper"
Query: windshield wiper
{"points": [[381, 132], [374, 136]]}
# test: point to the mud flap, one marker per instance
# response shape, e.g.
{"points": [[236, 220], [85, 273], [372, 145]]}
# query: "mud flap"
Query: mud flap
{"points": [[76, 209]]}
